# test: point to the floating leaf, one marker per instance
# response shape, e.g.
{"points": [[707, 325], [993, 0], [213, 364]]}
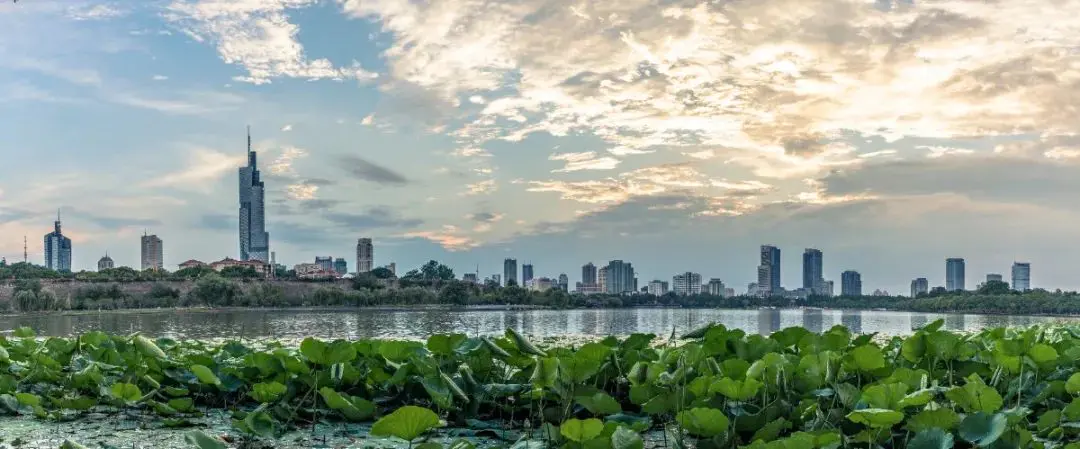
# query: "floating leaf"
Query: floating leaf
{"points": [[126, 392], [203, 441], [876, 417], [931, 439], [407, 423], [267, 391], [624, 438], [205, 375], [982, 429], [703, 422], [600, 404], [581, 430]]}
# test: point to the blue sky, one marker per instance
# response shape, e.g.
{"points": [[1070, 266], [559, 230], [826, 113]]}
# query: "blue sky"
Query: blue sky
{"points": [[678, 135]]}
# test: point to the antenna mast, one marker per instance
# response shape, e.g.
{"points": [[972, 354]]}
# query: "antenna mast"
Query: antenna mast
{"points": [[24, 258]]}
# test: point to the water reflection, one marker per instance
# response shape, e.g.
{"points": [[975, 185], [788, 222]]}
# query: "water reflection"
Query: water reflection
{"points": [[420, 323]]}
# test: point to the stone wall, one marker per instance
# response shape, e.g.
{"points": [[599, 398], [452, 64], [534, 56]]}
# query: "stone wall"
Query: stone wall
{"points": [[66, 290]]}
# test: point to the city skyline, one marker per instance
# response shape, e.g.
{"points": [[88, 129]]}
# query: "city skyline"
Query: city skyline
{"points": [[879, 132]]}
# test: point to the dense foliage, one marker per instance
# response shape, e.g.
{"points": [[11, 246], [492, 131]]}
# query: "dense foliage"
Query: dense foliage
{"points": [[719, 388]]}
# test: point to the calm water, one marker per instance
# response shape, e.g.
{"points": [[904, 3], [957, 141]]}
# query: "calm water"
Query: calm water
{"points": [[421, 323]]}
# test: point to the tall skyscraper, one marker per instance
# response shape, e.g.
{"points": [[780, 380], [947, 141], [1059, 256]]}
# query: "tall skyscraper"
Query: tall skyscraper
{"points": [[254, 240], [325, 263], [526, 273], [365, 255], [510, 272], [1021, 276], [341, 266], [994, 277], [588, 274], [850, 283], [152, 254], [769, 271], [919, 286], [564, 282], [57, 249], [812, 277], [619, 278], [687, 283], [601, 279], [954, 274]]}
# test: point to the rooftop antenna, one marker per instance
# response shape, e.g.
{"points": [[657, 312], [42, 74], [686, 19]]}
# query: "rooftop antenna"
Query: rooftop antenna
{"points": [[24, 258], [249, 137]]}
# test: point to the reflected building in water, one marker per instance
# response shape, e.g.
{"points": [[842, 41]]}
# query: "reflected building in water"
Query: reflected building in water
{"points": [[813, 320], [852, 319], [768, 321]]}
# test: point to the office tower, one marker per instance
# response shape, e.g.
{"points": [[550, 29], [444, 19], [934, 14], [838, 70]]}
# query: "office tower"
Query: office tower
{"points": [[526, 273], [919, 286], [325, 263], [105, 263], [365, 255], [1021, 276], [470, 278], [812, 277], [57, 249], [686, 284], [954, 274], [497, 278], [994, 277], [850, 283], [716, 287], [588, 277], [341, 266], [601, 279], [152, 253], [510, 272], [657, 288], [769, 271], [254, 240], [619, 278], [564, 282]]}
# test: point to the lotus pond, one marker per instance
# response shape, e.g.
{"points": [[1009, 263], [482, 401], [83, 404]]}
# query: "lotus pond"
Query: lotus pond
{"points": [[711, 388]]}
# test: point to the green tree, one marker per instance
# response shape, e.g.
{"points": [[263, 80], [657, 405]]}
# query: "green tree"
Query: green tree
{"points": [[366, 281], [454, 292], [994, 288], [380, 273], [215, 291], [239, 272]]}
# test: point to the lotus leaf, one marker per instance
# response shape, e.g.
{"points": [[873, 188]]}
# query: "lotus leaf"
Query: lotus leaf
{"points": [[407, 423]]}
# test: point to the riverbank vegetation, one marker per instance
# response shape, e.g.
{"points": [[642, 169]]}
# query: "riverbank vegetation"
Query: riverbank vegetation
{"points": [[712, 388], [32, 290]]}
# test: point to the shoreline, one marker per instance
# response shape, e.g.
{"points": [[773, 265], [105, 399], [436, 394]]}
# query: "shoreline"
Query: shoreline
{"points": [[490, 307]]}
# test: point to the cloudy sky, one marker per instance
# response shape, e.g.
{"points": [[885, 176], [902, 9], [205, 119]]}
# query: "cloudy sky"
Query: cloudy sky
{"points": [[678, 135]]}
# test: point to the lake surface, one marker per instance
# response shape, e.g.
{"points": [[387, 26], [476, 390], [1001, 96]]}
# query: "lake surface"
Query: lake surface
{"points": [[353, 324]]}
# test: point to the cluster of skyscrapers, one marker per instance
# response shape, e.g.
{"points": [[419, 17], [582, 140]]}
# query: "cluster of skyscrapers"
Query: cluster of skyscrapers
{"points": [[955, 275]]}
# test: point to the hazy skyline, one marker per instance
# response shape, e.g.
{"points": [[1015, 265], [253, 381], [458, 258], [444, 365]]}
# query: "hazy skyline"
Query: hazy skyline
{"points": [[678, 136]]}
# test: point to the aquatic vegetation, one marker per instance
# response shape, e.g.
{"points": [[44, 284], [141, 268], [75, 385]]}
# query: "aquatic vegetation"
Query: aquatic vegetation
{"points": [[713, 388]]}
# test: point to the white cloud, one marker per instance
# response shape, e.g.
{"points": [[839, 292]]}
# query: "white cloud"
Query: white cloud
{"points": [[204, 166], [703, 154], [99, 11], [481, 188], [257, 35], [301, 191], [286, 128], [583, 161], [159, 78], [368, 120], [282, 165], [449, 237]]}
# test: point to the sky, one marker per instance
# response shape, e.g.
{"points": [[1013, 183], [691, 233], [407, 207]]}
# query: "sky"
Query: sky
{"points": [[676, 135]]}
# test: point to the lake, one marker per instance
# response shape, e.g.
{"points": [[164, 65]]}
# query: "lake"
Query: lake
{"points": [[419, 323]]}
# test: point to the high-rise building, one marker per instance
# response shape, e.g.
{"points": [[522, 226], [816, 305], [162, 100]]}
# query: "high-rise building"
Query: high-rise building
{"points": [[152, 254], [564, 282], [588, 274], [470, 278], [57, 249], [365, 255], [1021, 276], [619, 278], [919, 286], [686, 284], [657, 288], [716, 287], [850, 283], [601, 279], [954, 274], [254, 240], [994, 277], [341, 266], [526, 273], [105, 263], [325, 263], [812, 277], [497, 278], [510, 272], [769, 271]]}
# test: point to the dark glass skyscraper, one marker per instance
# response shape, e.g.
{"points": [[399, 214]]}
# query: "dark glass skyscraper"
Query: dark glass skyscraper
{"points": [[850, 283], [526, 273], [57, 249], [588, 274], [620, 278], [812, 277], [254, 240], [954, 274], [510, 272]]}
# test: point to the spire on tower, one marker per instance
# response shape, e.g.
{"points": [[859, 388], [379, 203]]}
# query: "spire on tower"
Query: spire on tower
{"points": [[249, 137], [24, 258]]}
